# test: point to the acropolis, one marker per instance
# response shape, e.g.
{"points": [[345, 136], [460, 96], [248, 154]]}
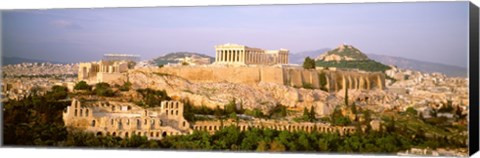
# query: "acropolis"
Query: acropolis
{"points": [[235, 54]]}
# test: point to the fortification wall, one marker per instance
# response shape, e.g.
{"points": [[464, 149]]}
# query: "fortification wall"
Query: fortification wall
{"points": [[248, 75], [295, 77]]}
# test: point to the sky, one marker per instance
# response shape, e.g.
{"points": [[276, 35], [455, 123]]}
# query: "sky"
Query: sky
{"points": [[433, 31]]}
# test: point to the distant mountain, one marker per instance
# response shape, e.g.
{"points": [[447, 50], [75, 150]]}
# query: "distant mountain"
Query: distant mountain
{"points": [[298, 58], [173, 58], [349, 57], [19, 60], [423, 66]]}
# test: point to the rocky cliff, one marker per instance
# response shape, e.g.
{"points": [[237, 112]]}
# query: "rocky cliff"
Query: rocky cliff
{"points": [[261, 88]]}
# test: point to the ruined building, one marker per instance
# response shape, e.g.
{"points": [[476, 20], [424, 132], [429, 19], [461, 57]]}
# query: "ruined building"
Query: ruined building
{"points": [[126, 119], [212, 126], [234, 54], [101, 71], [123, 119]]}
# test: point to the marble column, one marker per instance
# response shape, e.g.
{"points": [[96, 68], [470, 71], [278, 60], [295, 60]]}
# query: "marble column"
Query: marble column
{"points": [[226, 55], [230, 56], [234, 55], [242, 59], [223, 55]]}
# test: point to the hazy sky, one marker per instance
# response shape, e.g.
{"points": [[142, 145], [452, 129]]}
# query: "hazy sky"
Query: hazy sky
{"points": [[436, 32]]}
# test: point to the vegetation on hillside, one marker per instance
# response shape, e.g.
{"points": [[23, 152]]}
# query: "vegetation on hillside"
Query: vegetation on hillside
{"points": [[82, 85], [151, 97], [307, 116], [231, 111], [37, 121], [103, 89], [360, 60], [348, 51], [125, 87]]}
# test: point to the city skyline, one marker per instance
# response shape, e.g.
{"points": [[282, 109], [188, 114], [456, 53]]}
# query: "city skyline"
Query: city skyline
{"points": [[434, 31]]}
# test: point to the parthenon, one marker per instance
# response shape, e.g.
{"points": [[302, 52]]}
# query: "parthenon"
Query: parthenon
{"points": [[235, 54]]}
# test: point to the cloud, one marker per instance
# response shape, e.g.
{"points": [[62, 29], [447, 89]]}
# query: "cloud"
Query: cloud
{"points": [[65, 24]]}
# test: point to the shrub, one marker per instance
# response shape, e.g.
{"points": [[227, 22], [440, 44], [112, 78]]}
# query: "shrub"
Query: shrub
{"points": [[126, 86], [103, 89], [82, 85]]}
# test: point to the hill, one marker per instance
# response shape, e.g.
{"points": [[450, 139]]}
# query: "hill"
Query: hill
{"points": [[423, 66], [298, 58], [343, 52], [173, 58], [349, 57]]}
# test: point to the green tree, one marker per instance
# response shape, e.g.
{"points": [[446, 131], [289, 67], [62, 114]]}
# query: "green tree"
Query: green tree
{"points": [[219, 112], [322, 79], [57, 93], [233, 115], [82, 85], [126, 86], [305, 112], [103, 89], [255, 113], [354, 110], [231, 107], [250, 140], [279, 111], [152, 97], [411, 111], [311, 114], [309, 63]]}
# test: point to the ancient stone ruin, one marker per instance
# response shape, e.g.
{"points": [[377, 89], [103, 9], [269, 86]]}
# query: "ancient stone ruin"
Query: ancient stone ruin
{"points": [[212, 126], [125, 119]]}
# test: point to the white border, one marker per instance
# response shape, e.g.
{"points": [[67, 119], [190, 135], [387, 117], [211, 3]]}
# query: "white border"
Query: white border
{"points": [[82, 153]]}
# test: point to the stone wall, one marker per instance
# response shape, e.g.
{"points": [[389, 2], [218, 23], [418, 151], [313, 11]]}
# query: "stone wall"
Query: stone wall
{"points": [[295, 77], [337, 80], [212, 126]]}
